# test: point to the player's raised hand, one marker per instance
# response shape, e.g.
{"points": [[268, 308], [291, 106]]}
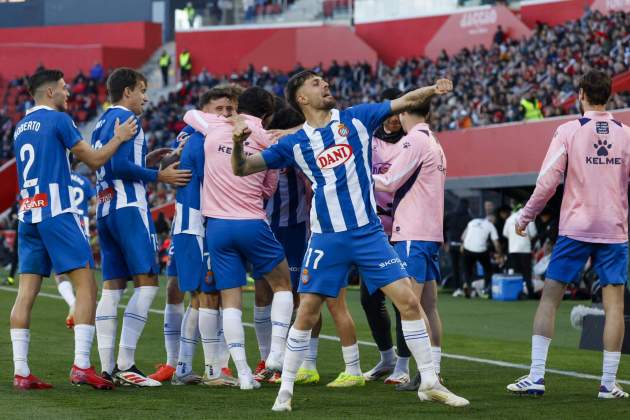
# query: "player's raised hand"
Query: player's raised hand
{"points": [[443, 86], [127, 130], [172, 175]]}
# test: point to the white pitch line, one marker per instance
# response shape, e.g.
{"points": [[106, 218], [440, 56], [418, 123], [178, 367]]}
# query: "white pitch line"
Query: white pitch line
{"points": [[371, 344]]}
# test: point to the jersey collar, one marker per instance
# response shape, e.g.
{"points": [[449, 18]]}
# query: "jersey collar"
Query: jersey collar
{"points": [[38, 107], [119, 107], [598, 114], [334, 117]]}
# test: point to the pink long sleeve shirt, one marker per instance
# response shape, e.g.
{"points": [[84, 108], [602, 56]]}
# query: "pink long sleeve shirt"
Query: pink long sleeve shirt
{"points": [[416, 177], [225, 195], [382, 155], [592, 155]]}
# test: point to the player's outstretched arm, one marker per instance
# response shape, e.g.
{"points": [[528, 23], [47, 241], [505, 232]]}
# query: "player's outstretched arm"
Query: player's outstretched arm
{"points": [[244, 165], [418, 96], [95, 158]]}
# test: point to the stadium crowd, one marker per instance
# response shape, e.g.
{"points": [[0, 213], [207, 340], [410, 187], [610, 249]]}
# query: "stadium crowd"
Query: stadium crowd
{"points": [[491, 81]]}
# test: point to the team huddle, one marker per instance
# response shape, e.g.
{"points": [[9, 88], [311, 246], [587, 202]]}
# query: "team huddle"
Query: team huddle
{"points": [[299, 194]]}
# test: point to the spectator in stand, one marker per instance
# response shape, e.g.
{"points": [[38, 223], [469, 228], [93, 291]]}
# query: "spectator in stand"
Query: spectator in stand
{"points": [[97, 73], [520, 249], [454, 225], [499, 36], [532, 108]]}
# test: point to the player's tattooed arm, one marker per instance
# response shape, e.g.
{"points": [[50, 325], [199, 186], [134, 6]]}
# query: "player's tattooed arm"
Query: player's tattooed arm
{"points": [[419, 96], [244, 165], [95, 158]]}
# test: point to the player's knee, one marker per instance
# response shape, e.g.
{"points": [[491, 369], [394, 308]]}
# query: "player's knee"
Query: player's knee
{"points": [[408, 306], [173, 295]]}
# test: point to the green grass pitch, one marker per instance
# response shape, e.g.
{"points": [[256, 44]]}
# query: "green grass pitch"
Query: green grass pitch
{"points": [[476, 328]]}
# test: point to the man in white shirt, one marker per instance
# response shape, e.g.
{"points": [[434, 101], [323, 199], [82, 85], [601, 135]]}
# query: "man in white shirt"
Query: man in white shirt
{"points": [[475, 249], [520, 250]]}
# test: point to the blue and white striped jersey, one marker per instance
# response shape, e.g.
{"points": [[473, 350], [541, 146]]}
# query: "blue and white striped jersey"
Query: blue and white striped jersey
{"points": [[337, 159], [188, 217], [82, 192], [288, 205], [121, 181], [42, 141]]}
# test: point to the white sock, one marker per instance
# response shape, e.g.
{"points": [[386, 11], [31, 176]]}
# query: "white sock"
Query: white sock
{"points": [[609, 371], [402, 365], [224, 352], [209, 330], [133, 323], [281, 311], [540, 347], [106, 327], [173, 315], [310, 359], [187, 341], [235, 338], [20, 338], [436, 356], [351, 358], [417, 340], [83, 337], [297, 346], [262, 325], [66, 292], [388, 356]]}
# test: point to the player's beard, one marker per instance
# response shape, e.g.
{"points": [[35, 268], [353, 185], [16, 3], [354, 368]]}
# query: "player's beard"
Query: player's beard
{"points": [[328, 103]]}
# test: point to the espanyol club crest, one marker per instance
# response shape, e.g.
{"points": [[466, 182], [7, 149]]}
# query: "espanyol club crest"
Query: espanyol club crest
{"points": [[334, 156], [343, 131], [305, 276]]}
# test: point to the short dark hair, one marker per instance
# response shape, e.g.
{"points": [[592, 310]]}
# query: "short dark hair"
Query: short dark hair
{"points": [[597, 87], [256, 101], [41, 77], [391, 94], [121, 78], [285, 117], [422, 109], [295, 82], [217, 92]]}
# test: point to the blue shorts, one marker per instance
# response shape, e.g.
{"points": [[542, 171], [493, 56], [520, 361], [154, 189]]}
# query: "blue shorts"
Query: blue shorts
{"points": [[569, 256], [192, 264], [128, 243], [233, 243], [171, 267], [421, 259], [57, 242], [330, 256], [293, 239]]}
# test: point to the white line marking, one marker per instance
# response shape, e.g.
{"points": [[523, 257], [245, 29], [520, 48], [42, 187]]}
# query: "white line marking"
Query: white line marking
{"points": [[371, 344]]}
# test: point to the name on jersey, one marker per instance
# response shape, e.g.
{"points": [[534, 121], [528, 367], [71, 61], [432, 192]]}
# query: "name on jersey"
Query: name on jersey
{"points": [[228, 150], [27, 126], [334, 156], [35, 202], [105, 195]]}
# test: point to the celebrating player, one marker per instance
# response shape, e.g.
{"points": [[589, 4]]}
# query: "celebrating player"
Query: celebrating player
{"points": [[592, 156], [82, 197], [50, 232], [333, 151], [416, 177], [126, 231], [237, 231]]}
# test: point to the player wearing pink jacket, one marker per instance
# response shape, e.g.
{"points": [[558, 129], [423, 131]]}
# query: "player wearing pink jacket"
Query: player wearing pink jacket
{"points": [[592, 156], [416, 177], [237, 231]]}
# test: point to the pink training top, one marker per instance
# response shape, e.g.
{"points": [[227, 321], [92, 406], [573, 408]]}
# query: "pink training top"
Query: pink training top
{"points": [[592, 155], [225, 195], [417, 175], [382, 155]]}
